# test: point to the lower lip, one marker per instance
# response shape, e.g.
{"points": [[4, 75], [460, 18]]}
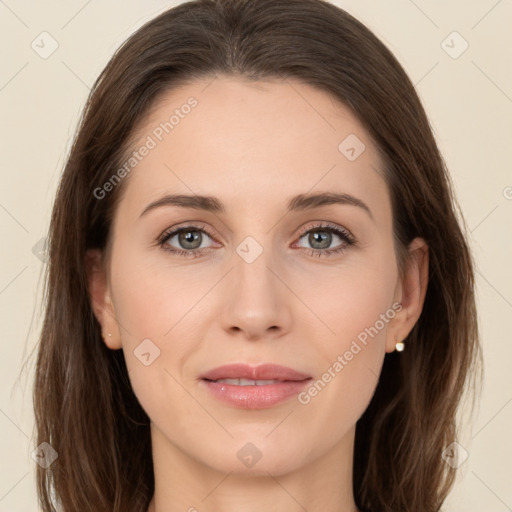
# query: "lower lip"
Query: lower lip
{"points": [[255, 397]]}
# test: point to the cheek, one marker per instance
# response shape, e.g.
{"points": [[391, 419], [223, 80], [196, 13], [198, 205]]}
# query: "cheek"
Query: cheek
{"points": [[350, 301], [349, 362], [353, 313], [158, 309], [151, 299]]}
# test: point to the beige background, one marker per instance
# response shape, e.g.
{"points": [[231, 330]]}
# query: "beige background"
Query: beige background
{"points": [[469, 102]]}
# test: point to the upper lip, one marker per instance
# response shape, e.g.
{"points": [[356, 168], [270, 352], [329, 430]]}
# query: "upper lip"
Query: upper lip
{"points": [[261, 372]]}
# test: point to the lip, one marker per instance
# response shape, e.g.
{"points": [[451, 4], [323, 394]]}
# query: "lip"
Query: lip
{"points": [[291, 382], [261, 372]]}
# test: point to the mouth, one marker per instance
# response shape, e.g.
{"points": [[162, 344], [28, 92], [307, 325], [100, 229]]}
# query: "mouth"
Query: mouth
{"points": [[246, 387]]}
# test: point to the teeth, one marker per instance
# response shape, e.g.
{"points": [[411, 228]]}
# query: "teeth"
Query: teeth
{"points": [[247, 382]]}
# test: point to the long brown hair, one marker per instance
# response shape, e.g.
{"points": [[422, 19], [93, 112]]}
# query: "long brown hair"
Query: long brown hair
{"points": [[84, 405]]}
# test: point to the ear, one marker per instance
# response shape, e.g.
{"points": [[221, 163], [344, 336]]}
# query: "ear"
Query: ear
{"points": [[101, 300], [410, 292]]}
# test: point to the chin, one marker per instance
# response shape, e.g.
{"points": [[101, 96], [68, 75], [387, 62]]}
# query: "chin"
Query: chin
{"points": [[257, 456]]}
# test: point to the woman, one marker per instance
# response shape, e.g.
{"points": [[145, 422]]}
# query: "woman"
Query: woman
{"points": [[259, 295]]}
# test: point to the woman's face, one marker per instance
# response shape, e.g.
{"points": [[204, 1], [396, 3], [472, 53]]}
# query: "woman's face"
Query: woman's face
{"points": [[267, 279]]}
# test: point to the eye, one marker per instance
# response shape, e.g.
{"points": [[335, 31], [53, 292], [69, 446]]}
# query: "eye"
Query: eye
{"points": [[190, 240], [321, 236]]}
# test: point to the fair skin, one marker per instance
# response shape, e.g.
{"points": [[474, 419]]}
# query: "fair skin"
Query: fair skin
{"points": [[254, 146]]}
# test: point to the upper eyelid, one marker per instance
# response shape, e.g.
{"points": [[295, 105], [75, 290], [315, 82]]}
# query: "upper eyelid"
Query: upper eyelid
{"points": [[168, 233], [323, 225], [338, 230]]}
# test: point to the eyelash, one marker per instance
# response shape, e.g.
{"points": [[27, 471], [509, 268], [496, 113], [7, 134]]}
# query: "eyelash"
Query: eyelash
{"points": [[345, 235]]}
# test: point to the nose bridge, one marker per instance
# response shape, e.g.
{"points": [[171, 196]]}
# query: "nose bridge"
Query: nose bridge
{"points": [[256, 302], [251, 267]]}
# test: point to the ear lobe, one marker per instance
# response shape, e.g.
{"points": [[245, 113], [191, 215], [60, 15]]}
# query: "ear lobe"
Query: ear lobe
{"points": [[99, 294], [413, 289]]}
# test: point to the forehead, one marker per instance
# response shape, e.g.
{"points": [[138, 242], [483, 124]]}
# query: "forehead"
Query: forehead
{"points": [[244, 141]]}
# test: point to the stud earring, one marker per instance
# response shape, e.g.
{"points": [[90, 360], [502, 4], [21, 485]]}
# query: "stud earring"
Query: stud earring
{"points": [[399, 345]]}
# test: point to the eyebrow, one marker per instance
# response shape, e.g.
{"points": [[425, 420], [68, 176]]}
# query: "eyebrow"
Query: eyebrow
{"points": [[301, 202]]}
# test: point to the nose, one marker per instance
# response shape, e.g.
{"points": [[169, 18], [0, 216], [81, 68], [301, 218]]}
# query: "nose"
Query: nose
{"points": [[258, 302]]}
